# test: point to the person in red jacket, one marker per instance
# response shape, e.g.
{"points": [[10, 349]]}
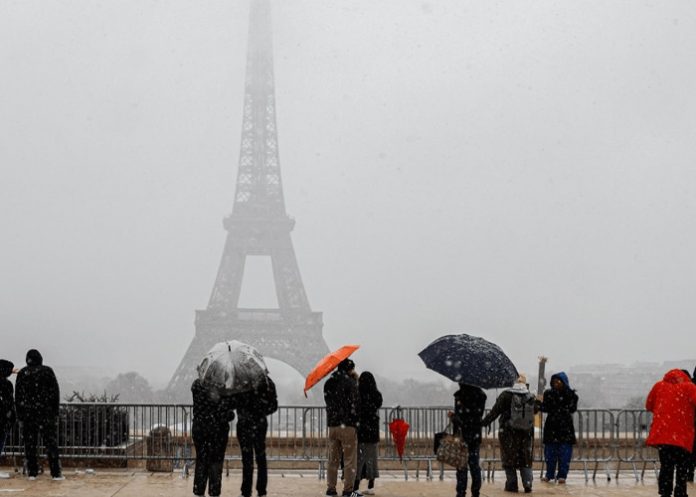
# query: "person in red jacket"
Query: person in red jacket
{"points": [[672, 402]]}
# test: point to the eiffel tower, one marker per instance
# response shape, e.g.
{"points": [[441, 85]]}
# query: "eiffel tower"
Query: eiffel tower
{"points": [[258, 225]]}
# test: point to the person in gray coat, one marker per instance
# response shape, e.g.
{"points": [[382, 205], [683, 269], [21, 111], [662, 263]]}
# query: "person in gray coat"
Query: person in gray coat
{"points": [[515, 443]]}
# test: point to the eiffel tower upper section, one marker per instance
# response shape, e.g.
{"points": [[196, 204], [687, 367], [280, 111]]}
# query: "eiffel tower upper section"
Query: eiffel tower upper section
{"points": [[259, 186], [259, 224]]}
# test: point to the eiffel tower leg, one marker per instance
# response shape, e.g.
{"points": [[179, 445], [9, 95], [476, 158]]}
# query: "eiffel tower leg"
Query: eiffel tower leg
{"points": [[228, 283], [180, 385], [286, 273]]}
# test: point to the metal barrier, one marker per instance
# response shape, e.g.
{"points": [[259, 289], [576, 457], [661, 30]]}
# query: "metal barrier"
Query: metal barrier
{"points": [[123, 433]]}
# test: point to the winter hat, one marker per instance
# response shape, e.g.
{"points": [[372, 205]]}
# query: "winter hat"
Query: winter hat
{"points": [[522, 378], [346, 365], [6, 368], [34, 358]]}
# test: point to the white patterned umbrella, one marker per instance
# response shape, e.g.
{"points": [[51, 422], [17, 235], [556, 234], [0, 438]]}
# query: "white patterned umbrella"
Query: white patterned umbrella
{"points": [[233, 365]]}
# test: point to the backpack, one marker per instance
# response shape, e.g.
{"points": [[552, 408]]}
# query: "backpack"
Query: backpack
{"points": [[269, 398], [522, 411]]}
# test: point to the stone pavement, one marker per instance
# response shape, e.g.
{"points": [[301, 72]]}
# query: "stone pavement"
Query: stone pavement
{"points": [[115, 483]]}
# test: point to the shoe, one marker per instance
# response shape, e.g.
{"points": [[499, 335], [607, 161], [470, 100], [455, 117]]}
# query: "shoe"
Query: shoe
{"points": [[561, 481], [331, 491], [545, 479], [527, 490], [58, 478], [4, 476], [369, 491], [31, 478], [509, 489]]}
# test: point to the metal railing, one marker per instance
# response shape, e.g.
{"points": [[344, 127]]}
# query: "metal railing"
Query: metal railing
{"points": [[160, 435]]}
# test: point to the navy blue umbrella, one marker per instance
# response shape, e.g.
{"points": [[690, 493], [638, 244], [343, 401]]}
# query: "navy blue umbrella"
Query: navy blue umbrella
{"points": [[471, 360]]}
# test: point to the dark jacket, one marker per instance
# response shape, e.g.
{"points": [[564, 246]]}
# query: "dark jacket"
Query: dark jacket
{"points": [[7, 403], [37, 394], [369, 402], [211, 406], [258, 403], [515, 445], [469, 405], [559, 406], [341, 397]]}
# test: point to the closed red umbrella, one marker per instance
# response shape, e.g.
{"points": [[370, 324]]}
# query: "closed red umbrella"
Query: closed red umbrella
{"points": [[399, 429]]}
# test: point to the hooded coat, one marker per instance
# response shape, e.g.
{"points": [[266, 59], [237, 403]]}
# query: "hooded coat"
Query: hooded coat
{"points": [[672, 402], [37, 394], [370, 400], [559, 406], [7, 403]]}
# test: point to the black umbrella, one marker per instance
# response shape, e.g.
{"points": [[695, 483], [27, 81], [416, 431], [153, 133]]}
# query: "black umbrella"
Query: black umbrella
{"points": [[471, 360]]}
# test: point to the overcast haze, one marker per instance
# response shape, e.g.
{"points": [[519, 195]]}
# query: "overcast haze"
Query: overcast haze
{"points": [[521, 170]]}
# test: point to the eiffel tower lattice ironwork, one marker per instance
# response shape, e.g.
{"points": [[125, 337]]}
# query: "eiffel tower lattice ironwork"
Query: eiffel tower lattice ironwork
{"points": [[258, 225]]}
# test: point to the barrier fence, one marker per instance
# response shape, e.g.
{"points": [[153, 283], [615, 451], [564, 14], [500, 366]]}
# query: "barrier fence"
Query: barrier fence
{"points": [[160, 435]]}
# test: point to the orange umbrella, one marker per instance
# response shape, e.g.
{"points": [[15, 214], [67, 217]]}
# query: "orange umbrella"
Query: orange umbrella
{"points": [[399, 428], [328, 364]]}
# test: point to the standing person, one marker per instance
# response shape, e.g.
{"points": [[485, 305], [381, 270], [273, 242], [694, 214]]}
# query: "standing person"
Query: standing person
{"points": [[7, 405], [252, 426], [690, 474], [369, 402], [516, 407], [469, 405], [37, 400], [213, 410], [341, 397], [672, 402], [559, 403]]}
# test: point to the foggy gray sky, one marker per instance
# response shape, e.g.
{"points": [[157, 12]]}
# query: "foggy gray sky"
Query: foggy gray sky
{"points": [[522, 171]]}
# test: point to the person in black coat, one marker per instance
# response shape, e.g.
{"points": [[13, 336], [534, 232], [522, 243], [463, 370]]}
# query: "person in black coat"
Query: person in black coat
{"points": [[213, 410], [253, 408], [559, 403], [369, 402], [7, 403], [37, 400], [469, 405], [341, 397]]}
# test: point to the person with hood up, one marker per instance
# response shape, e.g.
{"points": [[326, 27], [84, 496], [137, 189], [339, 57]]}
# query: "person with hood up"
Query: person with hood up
{"points": [[213, 410], [369, 402], [469, 405], [253, 408], [7, 405], [37, 400], [672, 402], [341, 397], [690, 475], [515, 442], [559, 403]]}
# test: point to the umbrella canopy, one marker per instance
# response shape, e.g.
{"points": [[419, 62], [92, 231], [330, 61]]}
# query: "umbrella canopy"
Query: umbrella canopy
{"points": [[399, 429], [233, 365], [471, 360], [327, 364]]}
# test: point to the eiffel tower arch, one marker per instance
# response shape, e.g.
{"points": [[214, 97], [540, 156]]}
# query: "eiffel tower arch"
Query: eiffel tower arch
{"points": [[258, 225]]}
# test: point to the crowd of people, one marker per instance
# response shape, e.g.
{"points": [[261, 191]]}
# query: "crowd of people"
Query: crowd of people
{"points": [[352, 408], [672, 401]]}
